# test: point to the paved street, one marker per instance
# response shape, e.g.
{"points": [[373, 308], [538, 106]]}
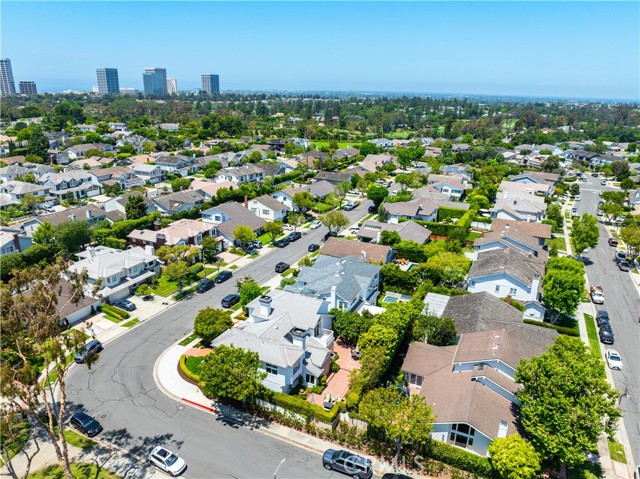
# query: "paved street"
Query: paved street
{"points": [[623, 304], [121, 393]]}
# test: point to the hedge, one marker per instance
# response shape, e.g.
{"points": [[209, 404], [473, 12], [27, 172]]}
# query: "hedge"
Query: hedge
{"points": [[460, 459], [186, 371], [113, 311], [113, 242], [560, 329], [446, 213], [300, 406]]}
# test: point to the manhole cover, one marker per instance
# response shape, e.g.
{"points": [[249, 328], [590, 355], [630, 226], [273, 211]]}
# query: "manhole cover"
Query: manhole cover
{"points": [[306, 457], [104, 415], [74, 391]]}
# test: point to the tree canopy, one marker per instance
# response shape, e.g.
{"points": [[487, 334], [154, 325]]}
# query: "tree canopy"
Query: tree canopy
{"points": [[334, 220], [514, 458], [135, 207], [231, 373], [244, 234], [564, 285], [585, 232], [211, 323]]}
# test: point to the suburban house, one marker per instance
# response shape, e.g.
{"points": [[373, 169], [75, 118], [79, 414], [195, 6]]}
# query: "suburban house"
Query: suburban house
{"points": [[452, 185], [118, 175], [17, 171], [470, 386], [344, 283], [509, 239], [120, 272], [458, 169], [91, 213], [91, 163], [118, 204], [506, 272], [519, 206], [292, 336], [345, 153], [13, 240], [268, 208], [423, 206], [210, 188], [241, 174], [522, 188], [321, 189], [228, 216], [333, 177], [382, 143], [634, 197], [537, 230], [178, 164], [538, 177], [369, 252], [371, 230], [286, 195], [77, 183], [17, 190], [181, 232], [149, 173], [78, 151], [178, 202], [372, 162], [460, 147]]}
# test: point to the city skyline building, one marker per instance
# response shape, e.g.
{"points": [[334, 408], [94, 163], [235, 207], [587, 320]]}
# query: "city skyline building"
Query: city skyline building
{"points": [[28, 88], [172, 86], [7, 85], [108, 82], [211, 84], [155, 81]]}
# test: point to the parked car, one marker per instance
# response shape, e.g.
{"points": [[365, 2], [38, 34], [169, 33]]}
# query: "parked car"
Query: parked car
{"points": [[372, 209], [603, 182], [330, 234], [612, 242], [606, 334], [619, 256], [349, 463], [167, 461], [313, 247], [126, 305], [230, 300], [599, 212], [224, 276], [92, 348], [602, 317], [295, 236], [281, 267], [351, 205], [315, 224], [600, 203], [574, 212], [282, 242], [624, 266], [577, 197], [614, 360], [288, 227], [85, 424], [257, 244], [394, 475], [205, 285], [597, 295], [595, 175]]}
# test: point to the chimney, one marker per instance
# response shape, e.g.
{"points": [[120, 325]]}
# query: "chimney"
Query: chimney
{"points": [[508, 299], [265, 306], [16, 242], [160, 239], [378, 236], [149, 249], [246, 202], [333, 303], [92, 253], [156, 225]]}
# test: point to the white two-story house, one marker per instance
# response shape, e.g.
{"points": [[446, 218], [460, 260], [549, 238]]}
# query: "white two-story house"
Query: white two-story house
{"points": [[241, 174], [268, 208], [77, 183], [292, 336]]}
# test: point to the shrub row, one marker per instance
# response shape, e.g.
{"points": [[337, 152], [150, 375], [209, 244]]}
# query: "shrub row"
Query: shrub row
{"points": [[460, 459], [300, 406], [183, 367], [560, 329], [113, 311], [446, 213]]}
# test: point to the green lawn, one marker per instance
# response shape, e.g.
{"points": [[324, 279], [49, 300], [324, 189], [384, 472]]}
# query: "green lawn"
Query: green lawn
{"points": [[53, 374], [617, 451], [568, 322], [559, 243], [78, 440], [188, 339], [165, 287], [594, 344], [14, 444], [130, 323], [233, 266], [79, 471], [264, 290], [193, 364], [112, 318], [341, 144], [264, 239], [287, 272]]}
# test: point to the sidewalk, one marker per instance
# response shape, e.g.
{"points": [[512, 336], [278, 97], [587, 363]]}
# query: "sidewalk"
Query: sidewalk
{"points": [[169, 381], [610, 468]]}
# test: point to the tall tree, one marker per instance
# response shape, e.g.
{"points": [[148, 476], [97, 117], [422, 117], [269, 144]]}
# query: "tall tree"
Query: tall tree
{"points": [[564, 285], [402, 418], [37, 144], [273, 229], [584, 232], [627, 184], [514, 458], [436, 330], [72, 235], [231, 373], [296, 220], [30, 306], [44, 234], [244, 234], [209, 248], [566, 401], [249, 291], [176, 271], [304, 201], [180, 184], [620, 169], [341, 191], [211, 323], [334, 220], [135, 207], [409, 155], [377, 194]]}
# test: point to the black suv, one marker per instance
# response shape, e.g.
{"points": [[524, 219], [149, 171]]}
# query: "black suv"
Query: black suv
{"points": [[85, 424], [224, 276], [205, 285], [283, 242], [606, 334], [624, 266], [313, 247], [602, 317], [230, 300], [281, 267], [295, 236], [92, 347]]}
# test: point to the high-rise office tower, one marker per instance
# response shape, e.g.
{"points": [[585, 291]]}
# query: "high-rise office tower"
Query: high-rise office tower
{"points": [[155, 81], [108, 81], [211, 84], [172, 86], [7, 85], [28, 88]]}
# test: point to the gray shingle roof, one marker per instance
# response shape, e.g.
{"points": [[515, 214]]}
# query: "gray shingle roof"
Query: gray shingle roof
{"points": [[507, 261]]}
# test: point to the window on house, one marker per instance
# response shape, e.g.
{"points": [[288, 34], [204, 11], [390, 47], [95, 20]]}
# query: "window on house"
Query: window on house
{"points": [[513, 291], [415, 379], [497, 288], [463, 435], [265, 212], [271, 369], [296, 368]]}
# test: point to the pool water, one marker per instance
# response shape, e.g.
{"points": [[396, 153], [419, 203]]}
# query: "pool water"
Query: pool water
{"points": [[390, 300]]}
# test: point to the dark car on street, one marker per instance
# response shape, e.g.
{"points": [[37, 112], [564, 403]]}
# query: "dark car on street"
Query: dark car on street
{"points": [[224, 276], [126, 305], [313, 247], [205, 285], [295, 236], [85, 424], [372, 209], [349, 463], [624, 266], [230, 300], [393, 475], [281, 243], [612, 242], [606, 334], [281, 267], [92, 347], [602, 317]]}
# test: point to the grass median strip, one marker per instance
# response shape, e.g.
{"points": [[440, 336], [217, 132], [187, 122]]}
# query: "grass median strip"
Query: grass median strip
{"points": [[128, 324], [592, 332], [189, 339], [616, 450]]}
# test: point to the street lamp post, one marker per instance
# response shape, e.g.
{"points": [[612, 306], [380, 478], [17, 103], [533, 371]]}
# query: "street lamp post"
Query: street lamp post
{"points": [[276, 471]]}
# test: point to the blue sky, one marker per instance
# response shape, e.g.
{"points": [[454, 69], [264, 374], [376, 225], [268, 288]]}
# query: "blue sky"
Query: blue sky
{"points": [[570, 49]]}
